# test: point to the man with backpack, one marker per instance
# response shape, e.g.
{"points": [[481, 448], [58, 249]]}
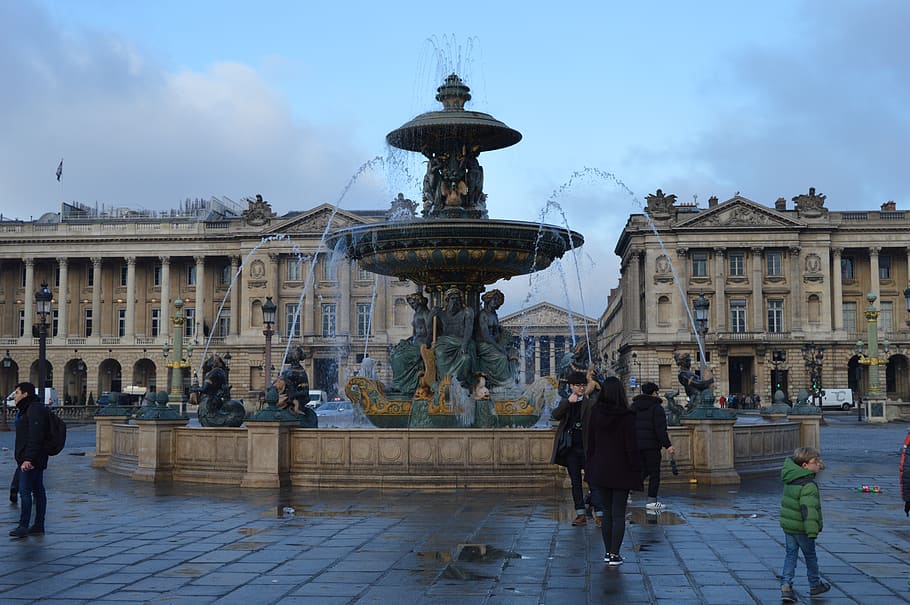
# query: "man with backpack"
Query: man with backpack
{"points": [[651, 432], [31, 458]]}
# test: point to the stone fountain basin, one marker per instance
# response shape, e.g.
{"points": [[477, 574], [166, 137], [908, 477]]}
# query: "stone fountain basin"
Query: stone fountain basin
{"points": [[455, 251]]}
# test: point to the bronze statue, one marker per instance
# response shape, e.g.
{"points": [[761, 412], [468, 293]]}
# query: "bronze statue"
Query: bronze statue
{"points": [[216, 408], [497, 359], [293, 386], [691, 380]]}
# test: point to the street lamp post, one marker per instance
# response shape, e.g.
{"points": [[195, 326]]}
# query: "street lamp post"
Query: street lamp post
{"points": [[701, 306], [636, 378], [6, 363], [43, 298], [813, 356], [268, 318]]}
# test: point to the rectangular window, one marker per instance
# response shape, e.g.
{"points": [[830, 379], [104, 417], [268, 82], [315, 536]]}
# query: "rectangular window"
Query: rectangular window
{"points": [[223, 329], [329, 269], [55, 322], [846, 268], [737, 264], [123, 274], [886, 318], [57, 276], [21, 322], [87, 321], [91, 275], [189, 322], [364, 319], [191, 275], [738, 316], [884, 267], [849, 317], [22, 278], [328, 319], [156, 322], [290, 310], [156, 276], [363, 274], [294, 269], [121, 322], [775, 264], [224, 277], [699, 264], [775, 316]]}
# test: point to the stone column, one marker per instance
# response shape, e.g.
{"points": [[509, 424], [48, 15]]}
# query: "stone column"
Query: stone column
{"points": [[164, 321], [309, 296], [28, 300], [683, 326], [157, 449], [796, 294], [873, 272], [130, 300], [62, 304], [837, 298], [635, 276], [235, 296], [712, 451], [720, 298], [96, 299], [344, 298], [199, 303], [808, 429], [522, 373], [758, 303], [104, 438], [536, 358]]}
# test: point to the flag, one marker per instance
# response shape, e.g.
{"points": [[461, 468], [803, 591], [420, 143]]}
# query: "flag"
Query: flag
{"points": [[59, 169]]}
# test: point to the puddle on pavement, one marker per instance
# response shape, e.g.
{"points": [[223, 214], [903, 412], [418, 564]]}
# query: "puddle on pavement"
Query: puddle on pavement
{"points": [[245, 545], [479, 553], [726, 515], [665, 517], [468, 553], [248, 531]]}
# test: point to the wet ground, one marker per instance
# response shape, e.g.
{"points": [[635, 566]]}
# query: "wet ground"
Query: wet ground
{"points": [[110, 539]]}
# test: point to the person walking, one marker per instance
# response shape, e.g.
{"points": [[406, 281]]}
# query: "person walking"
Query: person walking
{"points": [[569, 443], [612, 463], [31, 457], [651, 434], [801, 519]]}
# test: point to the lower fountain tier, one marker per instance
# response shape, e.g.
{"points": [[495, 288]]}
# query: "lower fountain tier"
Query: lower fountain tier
{"points": [[455, 251]]}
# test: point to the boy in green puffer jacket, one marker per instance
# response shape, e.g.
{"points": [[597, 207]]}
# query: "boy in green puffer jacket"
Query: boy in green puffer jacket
{"points": [[801, 519]]}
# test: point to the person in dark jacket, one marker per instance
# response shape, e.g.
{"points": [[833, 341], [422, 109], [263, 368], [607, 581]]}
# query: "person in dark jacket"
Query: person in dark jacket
{"points": [[612, 463], [573, 412], [31, 457], [651, 433], [801, 519], [905, 474]]}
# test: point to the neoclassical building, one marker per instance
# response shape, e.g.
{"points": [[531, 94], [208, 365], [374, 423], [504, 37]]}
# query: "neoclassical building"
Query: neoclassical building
{"points": [[778, 280], [115, 275]]}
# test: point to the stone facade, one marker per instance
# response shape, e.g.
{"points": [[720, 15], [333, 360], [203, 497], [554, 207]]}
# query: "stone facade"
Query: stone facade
{"points": [[777, 278]]}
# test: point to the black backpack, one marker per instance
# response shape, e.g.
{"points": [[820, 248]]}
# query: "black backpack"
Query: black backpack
{"points": [[56, 434]]}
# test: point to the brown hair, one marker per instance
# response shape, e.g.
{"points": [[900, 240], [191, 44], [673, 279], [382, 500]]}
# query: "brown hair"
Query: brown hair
{"points": [[802, 455]]}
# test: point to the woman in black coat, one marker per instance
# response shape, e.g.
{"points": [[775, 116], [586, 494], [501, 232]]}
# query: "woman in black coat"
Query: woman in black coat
{"points": [[612, 463]]}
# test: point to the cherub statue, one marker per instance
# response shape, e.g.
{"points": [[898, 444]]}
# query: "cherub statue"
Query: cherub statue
{"points": [[216, 408]]}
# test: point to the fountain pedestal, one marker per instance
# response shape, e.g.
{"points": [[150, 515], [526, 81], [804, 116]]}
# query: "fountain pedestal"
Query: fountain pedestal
{"points": [[712, 451], [104, 437], [157, 449]]}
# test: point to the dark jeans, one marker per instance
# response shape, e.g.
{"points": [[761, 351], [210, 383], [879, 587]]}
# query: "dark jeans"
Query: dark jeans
{"points": [[650, 469], [575, 462], [14, 484], [794, 544], [32, 483], [613, 503]]}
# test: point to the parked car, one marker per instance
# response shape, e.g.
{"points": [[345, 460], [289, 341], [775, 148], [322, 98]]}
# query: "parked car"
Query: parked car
{"points": [[335, 413]]}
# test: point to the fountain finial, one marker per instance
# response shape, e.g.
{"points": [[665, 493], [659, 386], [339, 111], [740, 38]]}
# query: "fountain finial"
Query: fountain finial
{"points": [[454, 93]]}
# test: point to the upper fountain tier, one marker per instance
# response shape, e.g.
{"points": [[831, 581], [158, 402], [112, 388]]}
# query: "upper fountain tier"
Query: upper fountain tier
{"points": [[455, 243], [439, 131]]}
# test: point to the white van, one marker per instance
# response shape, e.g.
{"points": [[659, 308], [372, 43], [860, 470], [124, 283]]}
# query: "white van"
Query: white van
{"points": [[317, 397], [50, 398], [841, 399]]}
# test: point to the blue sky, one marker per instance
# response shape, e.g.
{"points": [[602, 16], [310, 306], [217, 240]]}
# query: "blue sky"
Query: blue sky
{"points": [[153, 102]]}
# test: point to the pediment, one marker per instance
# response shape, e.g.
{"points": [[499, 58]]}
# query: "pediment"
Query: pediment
{"points": [[313, 222], [544, 314], [740, 213]]}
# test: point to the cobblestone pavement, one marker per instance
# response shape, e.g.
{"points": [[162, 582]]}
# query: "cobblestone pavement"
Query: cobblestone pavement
{"points": [[111, 539]]}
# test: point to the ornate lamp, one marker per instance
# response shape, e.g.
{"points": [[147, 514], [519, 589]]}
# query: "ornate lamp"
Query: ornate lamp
{"points": [[43, 298]]}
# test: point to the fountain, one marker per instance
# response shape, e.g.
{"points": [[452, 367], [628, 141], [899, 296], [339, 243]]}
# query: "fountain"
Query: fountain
{"points": [[459, 364]]}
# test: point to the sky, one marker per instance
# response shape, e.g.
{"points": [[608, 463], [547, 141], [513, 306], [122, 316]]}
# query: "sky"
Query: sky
{"points": [[150, 103]]}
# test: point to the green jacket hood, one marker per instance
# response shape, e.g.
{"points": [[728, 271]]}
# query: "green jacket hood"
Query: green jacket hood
{"points": [[791, 471]]}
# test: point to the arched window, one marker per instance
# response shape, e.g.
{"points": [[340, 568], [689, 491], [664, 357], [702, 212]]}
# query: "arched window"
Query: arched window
{"points": [[815, 307], [663, 311]]}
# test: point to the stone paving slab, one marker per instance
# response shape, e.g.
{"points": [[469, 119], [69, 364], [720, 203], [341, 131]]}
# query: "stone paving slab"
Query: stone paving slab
{"points": [[113, 540]]}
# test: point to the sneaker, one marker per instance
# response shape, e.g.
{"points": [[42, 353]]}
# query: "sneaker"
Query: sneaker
{"points": [[820, 588], [786, 594], [655, 506], [598, 520], [614, 560], [579, 520], [34, 530], [19, 532]]}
